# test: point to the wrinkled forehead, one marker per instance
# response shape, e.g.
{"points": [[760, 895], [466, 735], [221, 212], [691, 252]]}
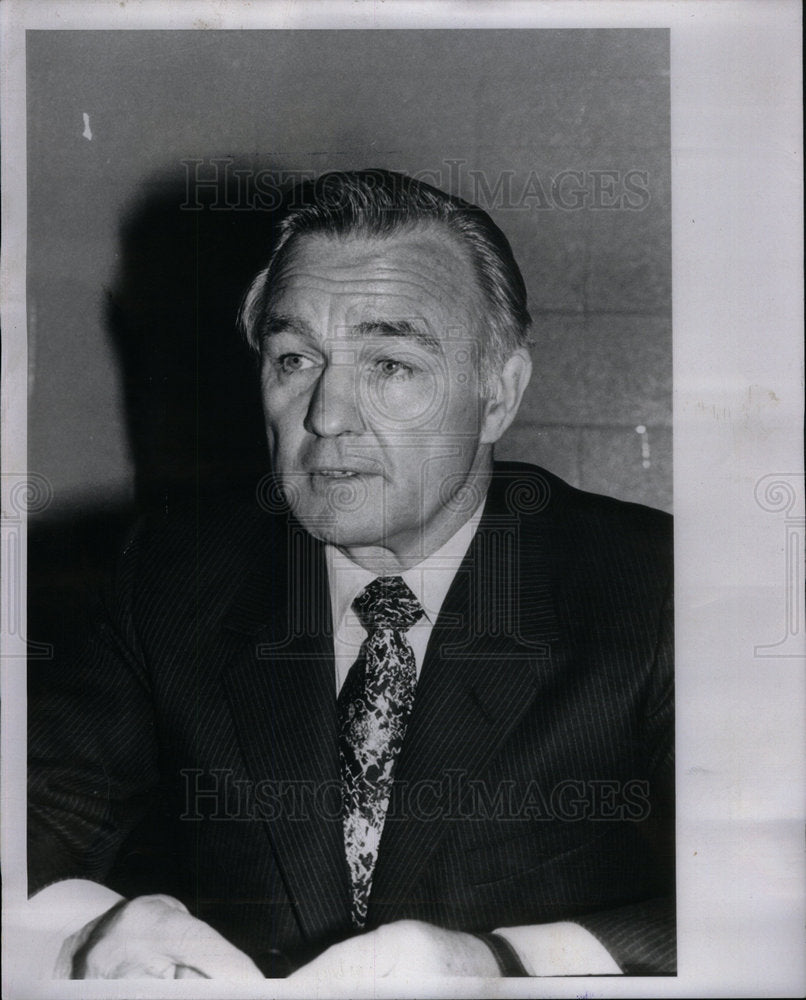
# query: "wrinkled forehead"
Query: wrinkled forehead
{"points": [[421, 272]]}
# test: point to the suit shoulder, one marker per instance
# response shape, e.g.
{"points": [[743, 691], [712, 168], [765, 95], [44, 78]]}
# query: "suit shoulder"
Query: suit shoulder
{"points": [[601, 527], [205, 540], [550, 492]]}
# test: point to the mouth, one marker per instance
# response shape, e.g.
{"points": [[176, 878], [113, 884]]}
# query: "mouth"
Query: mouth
{"points": [[337, 473]]}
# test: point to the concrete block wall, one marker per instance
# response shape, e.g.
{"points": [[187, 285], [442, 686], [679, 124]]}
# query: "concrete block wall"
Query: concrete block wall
{"points": [[562, 135]]}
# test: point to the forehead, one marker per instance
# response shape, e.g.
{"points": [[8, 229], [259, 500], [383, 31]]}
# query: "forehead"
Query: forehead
{"points": [[422, 272]]}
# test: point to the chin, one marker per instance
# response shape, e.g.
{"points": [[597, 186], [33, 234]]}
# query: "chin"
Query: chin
{"points": [[345, 513], [336, 529]]}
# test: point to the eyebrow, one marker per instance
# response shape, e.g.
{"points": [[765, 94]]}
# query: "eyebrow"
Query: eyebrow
{"points": [[398, 328], [281, 323]]}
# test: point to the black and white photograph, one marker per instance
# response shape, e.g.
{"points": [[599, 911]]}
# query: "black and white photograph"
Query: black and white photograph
{"points": [[368, 613]]}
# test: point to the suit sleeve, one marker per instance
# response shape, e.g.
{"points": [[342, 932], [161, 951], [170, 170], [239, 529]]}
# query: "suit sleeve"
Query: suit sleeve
{"points": [[641, 937], [92, 756]]}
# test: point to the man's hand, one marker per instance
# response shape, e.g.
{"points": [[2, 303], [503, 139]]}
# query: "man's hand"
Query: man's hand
{"points": [[155, 937], [406, 946]]}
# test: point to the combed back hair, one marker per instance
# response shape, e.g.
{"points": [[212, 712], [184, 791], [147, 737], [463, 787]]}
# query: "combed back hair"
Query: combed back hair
{"points": [[379, 203]]}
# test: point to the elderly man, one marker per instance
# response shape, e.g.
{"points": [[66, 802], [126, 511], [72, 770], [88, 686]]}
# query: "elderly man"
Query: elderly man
{"points": [[412, 709]]}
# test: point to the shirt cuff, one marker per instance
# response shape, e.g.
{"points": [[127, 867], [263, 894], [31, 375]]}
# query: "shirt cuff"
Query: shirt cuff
{"points": [[52, 915], [560, 949]]}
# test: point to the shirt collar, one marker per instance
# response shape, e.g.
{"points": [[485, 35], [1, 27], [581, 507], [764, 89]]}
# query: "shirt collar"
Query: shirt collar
{"points": [[429, 580]]}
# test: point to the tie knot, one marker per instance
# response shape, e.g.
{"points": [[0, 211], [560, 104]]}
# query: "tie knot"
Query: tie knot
{"points": [[387, 602]]}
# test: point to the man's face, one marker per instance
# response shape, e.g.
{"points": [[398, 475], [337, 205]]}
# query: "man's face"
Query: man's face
{"points": [[371, 390]]}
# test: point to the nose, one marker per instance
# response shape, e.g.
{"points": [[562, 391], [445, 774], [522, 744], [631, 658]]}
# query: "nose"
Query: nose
{"points": [[333, 408]]}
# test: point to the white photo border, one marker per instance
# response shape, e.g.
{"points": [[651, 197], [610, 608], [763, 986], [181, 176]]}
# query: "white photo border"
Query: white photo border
{"points": [[738, 463]]}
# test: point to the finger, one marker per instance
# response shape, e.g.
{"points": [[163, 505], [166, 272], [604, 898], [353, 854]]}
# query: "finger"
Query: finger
{"points": [[194, 944], [356, 957], [185, 972], [64, 961], [152, 936]]}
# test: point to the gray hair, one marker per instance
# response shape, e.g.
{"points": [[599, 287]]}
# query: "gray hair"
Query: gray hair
{"points": [[378, 203]]}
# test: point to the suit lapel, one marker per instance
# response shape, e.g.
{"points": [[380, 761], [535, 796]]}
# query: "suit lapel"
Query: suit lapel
{"points": [[491, 650], [282, 692]]}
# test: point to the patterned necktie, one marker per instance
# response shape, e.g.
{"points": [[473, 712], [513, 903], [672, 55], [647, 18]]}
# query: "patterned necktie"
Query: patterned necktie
{"points": [[374, 707]]}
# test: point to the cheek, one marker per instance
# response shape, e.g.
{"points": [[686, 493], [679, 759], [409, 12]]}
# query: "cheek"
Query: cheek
{"points": [[462, 415], [282, 412], [279, 433], [400, 406], [441, 404]]}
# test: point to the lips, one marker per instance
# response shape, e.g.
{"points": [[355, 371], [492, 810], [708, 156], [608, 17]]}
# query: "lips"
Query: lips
{"points": [[344, 471]]}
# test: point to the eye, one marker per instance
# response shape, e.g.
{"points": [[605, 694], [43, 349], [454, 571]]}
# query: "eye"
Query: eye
{"points": [[389, 367], [290, 363]]}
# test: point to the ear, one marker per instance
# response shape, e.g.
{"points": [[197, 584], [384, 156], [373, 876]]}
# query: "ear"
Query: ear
{"points": [[511, 382]]}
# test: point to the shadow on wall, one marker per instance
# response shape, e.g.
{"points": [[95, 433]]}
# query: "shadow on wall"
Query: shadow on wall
{"points": [[191, 400], [192, 404]]}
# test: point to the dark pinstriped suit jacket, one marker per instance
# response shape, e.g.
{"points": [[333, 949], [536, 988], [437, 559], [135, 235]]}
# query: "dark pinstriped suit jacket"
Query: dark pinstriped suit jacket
{"points": [[192, 749]]}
